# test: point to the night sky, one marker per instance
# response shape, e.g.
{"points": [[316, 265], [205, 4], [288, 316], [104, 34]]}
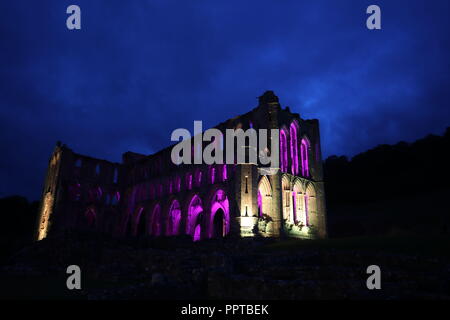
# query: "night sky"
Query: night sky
{"points": [[137, 70]]}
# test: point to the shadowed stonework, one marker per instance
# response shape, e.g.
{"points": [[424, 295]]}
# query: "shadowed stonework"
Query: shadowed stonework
{"points": [[151, 196]]}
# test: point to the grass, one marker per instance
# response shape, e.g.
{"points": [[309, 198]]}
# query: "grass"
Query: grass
{"points": [[437, 246]]}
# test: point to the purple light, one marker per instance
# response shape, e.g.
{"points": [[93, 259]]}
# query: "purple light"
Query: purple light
{"points": [[194, 211], [173, 224], [260, 205], [220, 202], [177, 184], [294, 198], [155, 225], [294, 149], [212, 173], [189, 181], [224, 172], [170, 187], [197, 233], [305, 158], [198, 178], [283, 151]]}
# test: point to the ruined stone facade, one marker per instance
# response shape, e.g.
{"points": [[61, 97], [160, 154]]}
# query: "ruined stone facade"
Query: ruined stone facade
{"points": [[148, 195]]}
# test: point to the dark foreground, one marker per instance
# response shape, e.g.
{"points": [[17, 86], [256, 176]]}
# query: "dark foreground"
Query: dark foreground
{"points": [[175, 268]]}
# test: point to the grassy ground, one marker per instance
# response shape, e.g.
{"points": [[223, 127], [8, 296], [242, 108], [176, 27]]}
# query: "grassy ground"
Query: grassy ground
{"points": [[437, 246]]}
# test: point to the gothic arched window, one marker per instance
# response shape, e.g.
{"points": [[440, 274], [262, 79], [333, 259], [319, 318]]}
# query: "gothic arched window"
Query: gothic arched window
{"points": [[294, 148], [283, 151]]}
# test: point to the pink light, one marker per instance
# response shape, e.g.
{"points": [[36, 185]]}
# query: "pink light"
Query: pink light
{"points": [[177, 184], [294, 149], [197, 233], [305, 158], [260, 206], [189, 181], [220, 202], [212, 171], [283, 151], [155, 226], [194, 210], [174, 218], [294, 198], [224, 172], [198, 178]]}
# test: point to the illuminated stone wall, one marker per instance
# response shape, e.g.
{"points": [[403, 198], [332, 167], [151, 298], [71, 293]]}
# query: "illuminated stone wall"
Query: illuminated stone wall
{"points": [[151, 196]]}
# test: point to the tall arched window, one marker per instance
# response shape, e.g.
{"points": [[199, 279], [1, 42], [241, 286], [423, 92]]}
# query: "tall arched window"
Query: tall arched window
{"points": [[224, 172], [264, 197], [304, 147], [194, 218], [294, 148], [189, 181], [283, 151]]}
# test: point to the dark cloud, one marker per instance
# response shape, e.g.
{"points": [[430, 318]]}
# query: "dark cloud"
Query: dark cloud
{"points": [[139, 69]]}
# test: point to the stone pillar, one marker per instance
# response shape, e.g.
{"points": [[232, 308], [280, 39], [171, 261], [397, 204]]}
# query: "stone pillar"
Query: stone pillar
{"points": [[275, 227], [321, 211], [247, 198]]}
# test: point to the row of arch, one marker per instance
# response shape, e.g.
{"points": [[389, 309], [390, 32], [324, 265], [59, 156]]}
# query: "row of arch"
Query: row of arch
{"points": [[181, 182], [298, 197], [94, 194], [293, 150], [97, 170], [198, 217]]}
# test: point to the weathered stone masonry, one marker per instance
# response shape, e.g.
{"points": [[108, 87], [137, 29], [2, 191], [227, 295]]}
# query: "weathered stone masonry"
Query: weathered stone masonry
{"points": [[151, 196]]}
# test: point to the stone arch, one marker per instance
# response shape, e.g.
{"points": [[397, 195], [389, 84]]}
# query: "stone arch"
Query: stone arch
{"points": [[155, 220], [264, 197], [219, 204], [286, 196], [305, 156], [283, 150], [310, 204], [194, 218], [173, 218], [293, 135], [298, 214]]}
